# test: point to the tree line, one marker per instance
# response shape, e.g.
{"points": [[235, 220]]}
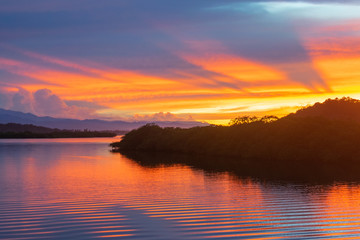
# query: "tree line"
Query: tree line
{"points": [[14, 130], [294, 143]]}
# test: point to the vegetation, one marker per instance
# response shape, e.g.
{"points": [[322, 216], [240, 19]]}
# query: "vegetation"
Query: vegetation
{"points": [[310, 144], [13, 130], [345, 109], [251, 119]]}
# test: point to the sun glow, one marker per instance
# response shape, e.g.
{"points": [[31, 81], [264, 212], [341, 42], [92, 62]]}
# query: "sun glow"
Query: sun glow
{"points": [[209, 80]]}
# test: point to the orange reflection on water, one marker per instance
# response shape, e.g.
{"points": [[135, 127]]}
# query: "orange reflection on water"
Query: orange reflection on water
{"points": [[56, 185], [343, 199], [61, 140]]}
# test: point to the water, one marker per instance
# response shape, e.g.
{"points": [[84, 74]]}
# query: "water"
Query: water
{"points": [[77, 189]]}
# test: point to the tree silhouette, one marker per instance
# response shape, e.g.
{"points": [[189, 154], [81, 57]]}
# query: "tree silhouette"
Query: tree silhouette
{"points": [[297, 142]]}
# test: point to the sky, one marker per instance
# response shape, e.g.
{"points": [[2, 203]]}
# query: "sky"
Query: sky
{"points": [[204, 60]]}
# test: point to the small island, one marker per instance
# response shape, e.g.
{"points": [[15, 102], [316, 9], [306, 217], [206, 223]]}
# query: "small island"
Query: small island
{"points": [[316, 141], [14, 130]]}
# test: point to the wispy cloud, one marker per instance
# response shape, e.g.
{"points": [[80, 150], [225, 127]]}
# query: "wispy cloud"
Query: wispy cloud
{"points": [[144, 57]]}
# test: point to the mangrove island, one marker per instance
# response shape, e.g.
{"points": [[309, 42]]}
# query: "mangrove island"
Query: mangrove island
{"points": [[317, 140]]}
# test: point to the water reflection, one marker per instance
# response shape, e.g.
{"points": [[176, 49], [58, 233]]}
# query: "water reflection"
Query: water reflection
{"points": [[79, 190]]}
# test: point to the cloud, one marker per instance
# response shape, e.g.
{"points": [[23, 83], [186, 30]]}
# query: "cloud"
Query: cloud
{"points": [[327, 11], [5, 99], [44, 102], [47, 103], [133, 34], [22, 101], [135, 56], [84, 104], [161, 116]]}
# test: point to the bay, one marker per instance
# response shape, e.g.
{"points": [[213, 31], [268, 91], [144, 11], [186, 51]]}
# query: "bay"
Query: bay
{"points": [[78, 189]]}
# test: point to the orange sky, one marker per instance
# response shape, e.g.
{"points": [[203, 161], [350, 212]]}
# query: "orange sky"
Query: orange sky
{"points": [[211, 80]]}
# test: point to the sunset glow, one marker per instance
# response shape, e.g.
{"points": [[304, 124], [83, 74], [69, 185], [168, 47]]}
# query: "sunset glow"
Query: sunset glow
{"points": [[207, 61]]}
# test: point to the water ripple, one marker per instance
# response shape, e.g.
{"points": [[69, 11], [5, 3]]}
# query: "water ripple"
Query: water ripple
{"points": [[81, 191]]}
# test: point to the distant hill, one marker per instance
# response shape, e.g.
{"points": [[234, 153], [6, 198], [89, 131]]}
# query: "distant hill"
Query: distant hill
{"points": [[15, 130], [8, 116], [344, 109]]}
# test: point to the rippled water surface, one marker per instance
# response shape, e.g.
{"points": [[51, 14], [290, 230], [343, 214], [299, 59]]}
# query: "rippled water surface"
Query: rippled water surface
{"points": [[77, 189]]}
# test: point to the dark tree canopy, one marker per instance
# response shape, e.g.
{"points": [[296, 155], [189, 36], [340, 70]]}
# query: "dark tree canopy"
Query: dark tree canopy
{"points": [[309, 139]]}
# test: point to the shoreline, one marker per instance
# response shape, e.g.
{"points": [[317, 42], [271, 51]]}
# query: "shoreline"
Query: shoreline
{"points": [[302, 148]]}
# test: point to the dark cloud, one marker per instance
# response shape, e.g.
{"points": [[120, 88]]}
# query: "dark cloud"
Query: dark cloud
{"points": [[143, 35]]}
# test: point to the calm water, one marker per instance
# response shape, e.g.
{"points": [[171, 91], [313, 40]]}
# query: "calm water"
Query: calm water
{"points": [[77, 189]]}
